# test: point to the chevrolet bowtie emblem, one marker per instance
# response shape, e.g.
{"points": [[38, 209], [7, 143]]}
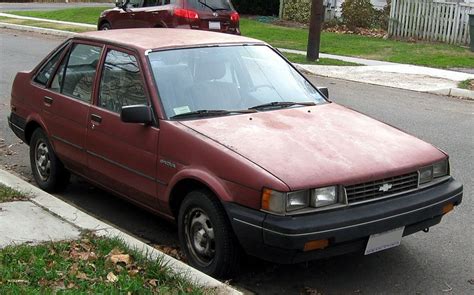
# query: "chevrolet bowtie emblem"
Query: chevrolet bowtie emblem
{"points": [[385, 187]]}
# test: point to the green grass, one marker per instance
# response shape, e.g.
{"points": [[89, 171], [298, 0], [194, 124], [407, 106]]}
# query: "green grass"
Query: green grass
{"points": [[467, 84], [301, 59], [85, 267], [7, 194], [87, 15], [419, 53]]}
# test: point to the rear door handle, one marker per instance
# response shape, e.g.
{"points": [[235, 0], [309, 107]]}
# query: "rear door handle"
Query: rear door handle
{"points": [[96, 118], [48, 100]]}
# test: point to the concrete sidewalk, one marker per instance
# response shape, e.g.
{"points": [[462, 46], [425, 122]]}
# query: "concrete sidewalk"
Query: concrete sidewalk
{"points": [[409, 77], [45, 218]]}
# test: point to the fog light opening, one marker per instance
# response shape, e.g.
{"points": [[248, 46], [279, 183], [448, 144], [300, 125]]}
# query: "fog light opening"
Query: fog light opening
{"points": [[448, 207], [314, 245]]}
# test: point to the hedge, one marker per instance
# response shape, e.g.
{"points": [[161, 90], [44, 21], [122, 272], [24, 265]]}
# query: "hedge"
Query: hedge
{"points": [[257, 7]]}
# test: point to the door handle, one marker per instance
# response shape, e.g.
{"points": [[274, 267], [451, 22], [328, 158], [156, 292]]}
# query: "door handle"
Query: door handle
{"points": [[96, 118], [48, 100]]}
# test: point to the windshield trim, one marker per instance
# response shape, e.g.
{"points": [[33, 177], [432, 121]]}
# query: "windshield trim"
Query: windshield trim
{"points": [[155, 84]]}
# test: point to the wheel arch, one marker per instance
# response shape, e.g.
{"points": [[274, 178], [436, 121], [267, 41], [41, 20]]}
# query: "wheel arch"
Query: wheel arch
{"points": [[32, 124]]}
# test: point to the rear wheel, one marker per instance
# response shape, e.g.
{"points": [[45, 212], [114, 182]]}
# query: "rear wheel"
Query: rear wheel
{"points": [[48, 171], [206, 236], [105, 27]]}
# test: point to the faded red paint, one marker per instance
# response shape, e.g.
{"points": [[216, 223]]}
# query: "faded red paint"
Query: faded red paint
{"points": [[319, 146]]}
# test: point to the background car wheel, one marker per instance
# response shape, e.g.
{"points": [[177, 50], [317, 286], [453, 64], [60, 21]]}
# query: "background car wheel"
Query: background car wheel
{"points": [[206, 236], [48, 171], [105, 27]]}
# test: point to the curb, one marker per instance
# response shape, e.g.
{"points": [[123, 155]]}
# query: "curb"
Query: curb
{"points": [[458, 92], [86, 222], [37, 30]]}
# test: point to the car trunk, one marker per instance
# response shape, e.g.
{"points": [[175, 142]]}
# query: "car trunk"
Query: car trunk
{"points": [[214, 15]]}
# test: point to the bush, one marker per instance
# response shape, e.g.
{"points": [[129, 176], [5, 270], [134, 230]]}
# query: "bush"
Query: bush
{"points": [[257, 7], [358, 13]]}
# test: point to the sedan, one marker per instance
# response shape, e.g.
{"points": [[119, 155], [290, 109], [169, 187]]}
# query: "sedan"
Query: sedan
{"points": [[224, 136]]}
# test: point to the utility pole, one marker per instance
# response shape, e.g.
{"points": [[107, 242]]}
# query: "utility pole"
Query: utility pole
{"points": [[314, 38]]}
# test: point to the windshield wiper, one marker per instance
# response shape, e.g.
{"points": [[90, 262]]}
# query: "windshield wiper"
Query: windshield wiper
{"points": [[281, 104], [211, 113], [210, 7]]}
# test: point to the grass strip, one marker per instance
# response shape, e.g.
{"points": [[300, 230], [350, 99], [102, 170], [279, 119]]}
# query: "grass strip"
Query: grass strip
{"points": [[42, 24], [90, 265], [467, 84], [9, 195]]}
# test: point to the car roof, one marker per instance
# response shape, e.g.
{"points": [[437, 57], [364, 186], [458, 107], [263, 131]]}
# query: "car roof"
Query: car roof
{"points": [[157, 38]]}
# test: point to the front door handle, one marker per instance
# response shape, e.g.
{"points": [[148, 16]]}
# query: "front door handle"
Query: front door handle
{"points": [[48, 100], [96, 118]]}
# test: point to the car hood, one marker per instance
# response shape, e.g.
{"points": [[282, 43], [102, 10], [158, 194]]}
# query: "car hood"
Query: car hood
{"points": [[320, 145]]}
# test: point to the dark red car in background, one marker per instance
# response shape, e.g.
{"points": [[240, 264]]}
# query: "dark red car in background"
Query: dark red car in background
{"points": [[212, 15]]}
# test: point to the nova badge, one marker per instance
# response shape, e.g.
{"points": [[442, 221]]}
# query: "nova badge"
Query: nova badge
{"points": [[385, 187]]}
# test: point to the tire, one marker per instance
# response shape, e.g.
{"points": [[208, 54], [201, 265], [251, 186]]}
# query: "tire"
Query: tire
{"points": [[105, 27], [206, 236], [48, 171]]}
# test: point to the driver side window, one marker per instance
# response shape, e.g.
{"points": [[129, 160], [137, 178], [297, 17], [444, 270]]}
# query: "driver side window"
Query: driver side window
{"points": [[135, 3]]}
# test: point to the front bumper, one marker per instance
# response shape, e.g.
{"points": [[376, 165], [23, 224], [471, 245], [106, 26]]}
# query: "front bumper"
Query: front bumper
{"points": [[282, 238]]}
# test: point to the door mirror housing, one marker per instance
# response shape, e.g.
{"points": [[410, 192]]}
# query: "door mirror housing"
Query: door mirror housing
{"points": [[324, 90], [136, 114]]}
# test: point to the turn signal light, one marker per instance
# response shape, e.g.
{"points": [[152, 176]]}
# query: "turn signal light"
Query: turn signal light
{"points": [[266, 196], [318, 244], [447, 208]]}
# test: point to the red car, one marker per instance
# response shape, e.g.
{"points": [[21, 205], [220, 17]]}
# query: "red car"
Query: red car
{"points": [[212, 15], [223, 135]]}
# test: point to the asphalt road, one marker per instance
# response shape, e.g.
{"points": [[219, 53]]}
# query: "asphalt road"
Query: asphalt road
{"points": [[438, 262]]}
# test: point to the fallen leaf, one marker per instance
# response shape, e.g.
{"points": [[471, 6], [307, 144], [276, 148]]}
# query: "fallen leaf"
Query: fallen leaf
{"points": [[73, 269], [133, 272], [117, 258], [43, 282], [153, 282], [71, 285], [311, 291], [18, 281], [82, 276], [115, 251], [471, 281], [111, 277], [59, 285]]}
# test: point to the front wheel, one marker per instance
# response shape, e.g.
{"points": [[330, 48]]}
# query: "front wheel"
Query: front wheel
{"points": [[206, 236], [48, 171]]}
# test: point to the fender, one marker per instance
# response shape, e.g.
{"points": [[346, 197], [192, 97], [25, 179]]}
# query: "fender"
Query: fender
{"points": [[35, 117], [213, 182]]}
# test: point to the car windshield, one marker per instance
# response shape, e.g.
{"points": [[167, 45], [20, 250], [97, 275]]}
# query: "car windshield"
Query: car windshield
{"points": [[228, 78], [209, 4]]}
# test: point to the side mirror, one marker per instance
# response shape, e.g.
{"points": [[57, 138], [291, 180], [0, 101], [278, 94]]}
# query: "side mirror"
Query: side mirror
{"points": [[136, 114], [324, 90]]}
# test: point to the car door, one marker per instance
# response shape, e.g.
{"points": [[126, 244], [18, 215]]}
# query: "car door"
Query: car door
{"points": [[122, 156], [66, 103]]}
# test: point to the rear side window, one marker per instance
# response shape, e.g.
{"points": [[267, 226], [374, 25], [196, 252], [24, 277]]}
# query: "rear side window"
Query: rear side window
{"points": [[121, 83], [76, 74], [48, 69], [209, 5]]}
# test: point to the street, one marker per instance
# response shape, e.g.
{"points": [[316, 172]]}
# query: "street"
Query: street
{"points": [[438, 262]]}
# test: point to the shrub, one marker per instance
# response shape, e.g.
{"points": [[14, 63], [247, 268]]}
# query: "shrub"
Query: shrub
{"points": [[257, 7], [358, 13]]}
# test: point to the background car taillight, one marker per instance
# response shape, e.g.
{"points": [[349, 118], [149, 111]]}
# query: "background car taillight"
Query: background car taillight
{"points": [[186, 13], [235, 17]]}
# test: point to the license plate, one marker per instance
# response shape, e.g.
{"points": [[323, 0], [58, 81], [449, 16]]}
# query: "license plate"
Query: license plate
{"points": [[385, 240], [214, 25]]}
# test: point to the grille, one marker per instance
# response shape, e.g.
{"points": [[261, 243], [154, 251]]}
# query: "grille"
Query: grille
{"points": [[373, 190]]}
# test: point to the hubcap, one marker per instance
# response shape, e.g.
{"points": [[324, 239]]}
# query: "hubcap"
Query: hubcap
{"points": [[42, 161], [199, 234]]}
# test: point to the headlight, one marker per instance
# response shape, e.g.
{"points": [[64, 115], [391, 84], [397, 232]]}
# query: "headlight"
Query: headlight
{"points": [[440, 169], [436, 170], [281, 203], [324, 197]]}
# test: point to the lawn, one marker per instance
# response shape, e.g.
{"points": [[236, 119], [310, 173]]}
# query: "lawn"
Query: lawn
{"points": [[419, 53], [90, 265]]}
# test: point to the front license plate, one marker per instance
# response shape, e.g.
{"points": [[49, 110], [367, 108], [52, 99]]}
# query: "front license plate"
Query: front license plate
{"points": [[385, 240], [214, 25]]}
